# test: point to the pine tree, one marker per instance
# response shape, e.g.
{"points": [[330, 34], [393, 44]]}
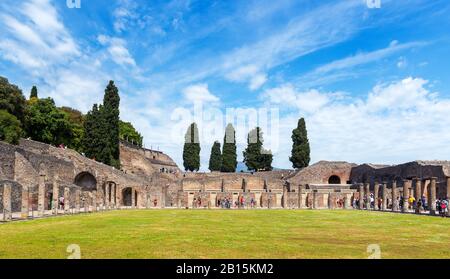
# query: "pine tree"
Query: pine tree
{"points": [[34, 92], [300, 146], [229, 156], [191, 150], [215, 161], [256, 158], [110, 119]]}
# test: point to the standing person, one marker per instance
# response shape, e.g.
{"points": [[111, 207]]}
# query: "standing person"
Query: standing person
{"points": [[444, 207], [424, 203], [61, 202]]}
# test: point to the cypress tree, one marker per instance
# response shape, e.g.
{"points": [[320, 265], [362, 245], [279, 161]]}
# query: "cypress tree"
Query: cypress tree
{"points": [[255, 156], [300, 146], [191, 149], [215, 161], [34, 92], [110, 120], [229, 156]]}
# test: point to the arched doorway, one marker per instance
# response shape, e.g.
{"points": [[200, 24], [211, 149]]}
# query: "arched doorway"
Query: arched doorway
{"points": [[334, 179], [127, 199], [86, 181]]}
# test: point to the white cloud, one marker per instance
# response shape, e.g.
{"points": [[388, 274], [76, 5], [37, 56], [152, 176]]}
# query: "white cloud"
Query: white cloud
{"points": [[364, 58], [250, 74], [117, 50], [35, 37], [286, 96], [199, 93], [396, 122]]}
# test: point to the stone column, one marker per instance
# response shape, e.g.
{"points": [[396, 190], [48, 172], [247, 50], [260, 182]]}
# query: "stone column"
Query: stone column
{"points": [[41, 194], [25, 203], [367, 186], [375, 195], [163, 196], [432, 200], [7, 203], [406, 184], [384, 197], [315, 204], [133, 195], [448, 189], [94, 200], [107, 194], [418, 192], [285, 198], [361, 196], [394, 195], [77, 201], [300, 192], [66, 200], [347, 202], [55, 203]]}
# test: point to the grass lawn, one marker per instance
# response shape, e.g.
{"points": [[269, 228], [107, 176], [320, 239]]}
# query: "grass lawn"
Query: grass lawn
{"points": [[228, 234]]}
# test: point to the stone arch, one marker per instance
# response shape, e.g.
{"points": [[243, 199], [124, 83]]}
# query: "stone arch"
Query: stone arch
{"points": [[86, 181], [127, 197], [334, 179]]}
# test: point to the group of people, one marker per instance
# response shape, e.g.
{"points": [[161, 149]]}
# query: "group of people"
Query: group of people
{"points": [[226, 202], [398, 204]]}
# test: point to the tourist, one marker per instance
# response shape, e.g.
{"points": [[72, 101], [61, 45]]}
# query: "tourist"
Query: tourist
{"points": [[412, 202], [424, 203], [438, 206], [444, 207], [419, 206], [155, 202], [61, 202]]}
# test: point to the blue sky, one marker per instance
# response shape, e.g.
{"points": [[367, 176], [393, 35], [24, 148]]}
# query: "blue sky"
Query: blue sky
{"points": [[372, 83]]}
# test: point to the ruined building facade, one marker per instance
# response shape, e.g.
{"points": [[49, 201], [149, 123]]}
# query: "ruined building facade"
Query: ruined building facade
{"points": [[35, 176]]}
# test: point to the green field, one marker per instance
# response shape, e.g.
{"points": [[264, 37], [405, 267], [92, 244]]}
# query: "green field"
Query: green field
{"points": [[228, 234]]}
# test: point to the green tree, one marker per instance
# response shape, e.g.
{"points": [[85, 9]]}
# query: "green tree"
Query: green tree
{"points": [[44, 122], [34, 92], [256, 158], [76, 119], [229, 155], [191, 150], [300, 146], [128, 133], [110, 121], [10, 130], [215, 161], [12, 99], [95, 142]]}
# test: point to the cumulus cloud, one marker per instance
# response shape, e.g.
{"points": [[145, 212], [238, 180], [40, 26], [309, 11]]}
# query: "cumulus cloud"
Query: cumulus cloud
{"points": [[199, 93], [395, 122], [117, 50], [35, 36]]}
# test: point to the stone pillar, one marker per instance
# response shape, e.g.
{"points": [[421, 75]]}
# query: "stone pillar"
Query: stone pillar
{"points": [[7, 203], [361, 196], [418, 192], [384, 197], [375, 195], [330, 201], [367, 186], [448, 193], [133, 195], [432, 200], [55, 202], [77, 201], [406, 186], [394, 196], [94, 200], [66, 200], [300, 198], [41, 195], [107, 195], [347, 200], [25, 203], [315, 202], [285, 198], [244, 185], [163, 196], [448, 189]]}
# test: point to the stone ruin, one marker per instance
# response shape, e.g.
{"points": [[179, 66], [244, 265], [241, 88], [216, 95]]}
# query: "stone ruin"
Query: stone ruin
{"points": [[35, 176]]}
